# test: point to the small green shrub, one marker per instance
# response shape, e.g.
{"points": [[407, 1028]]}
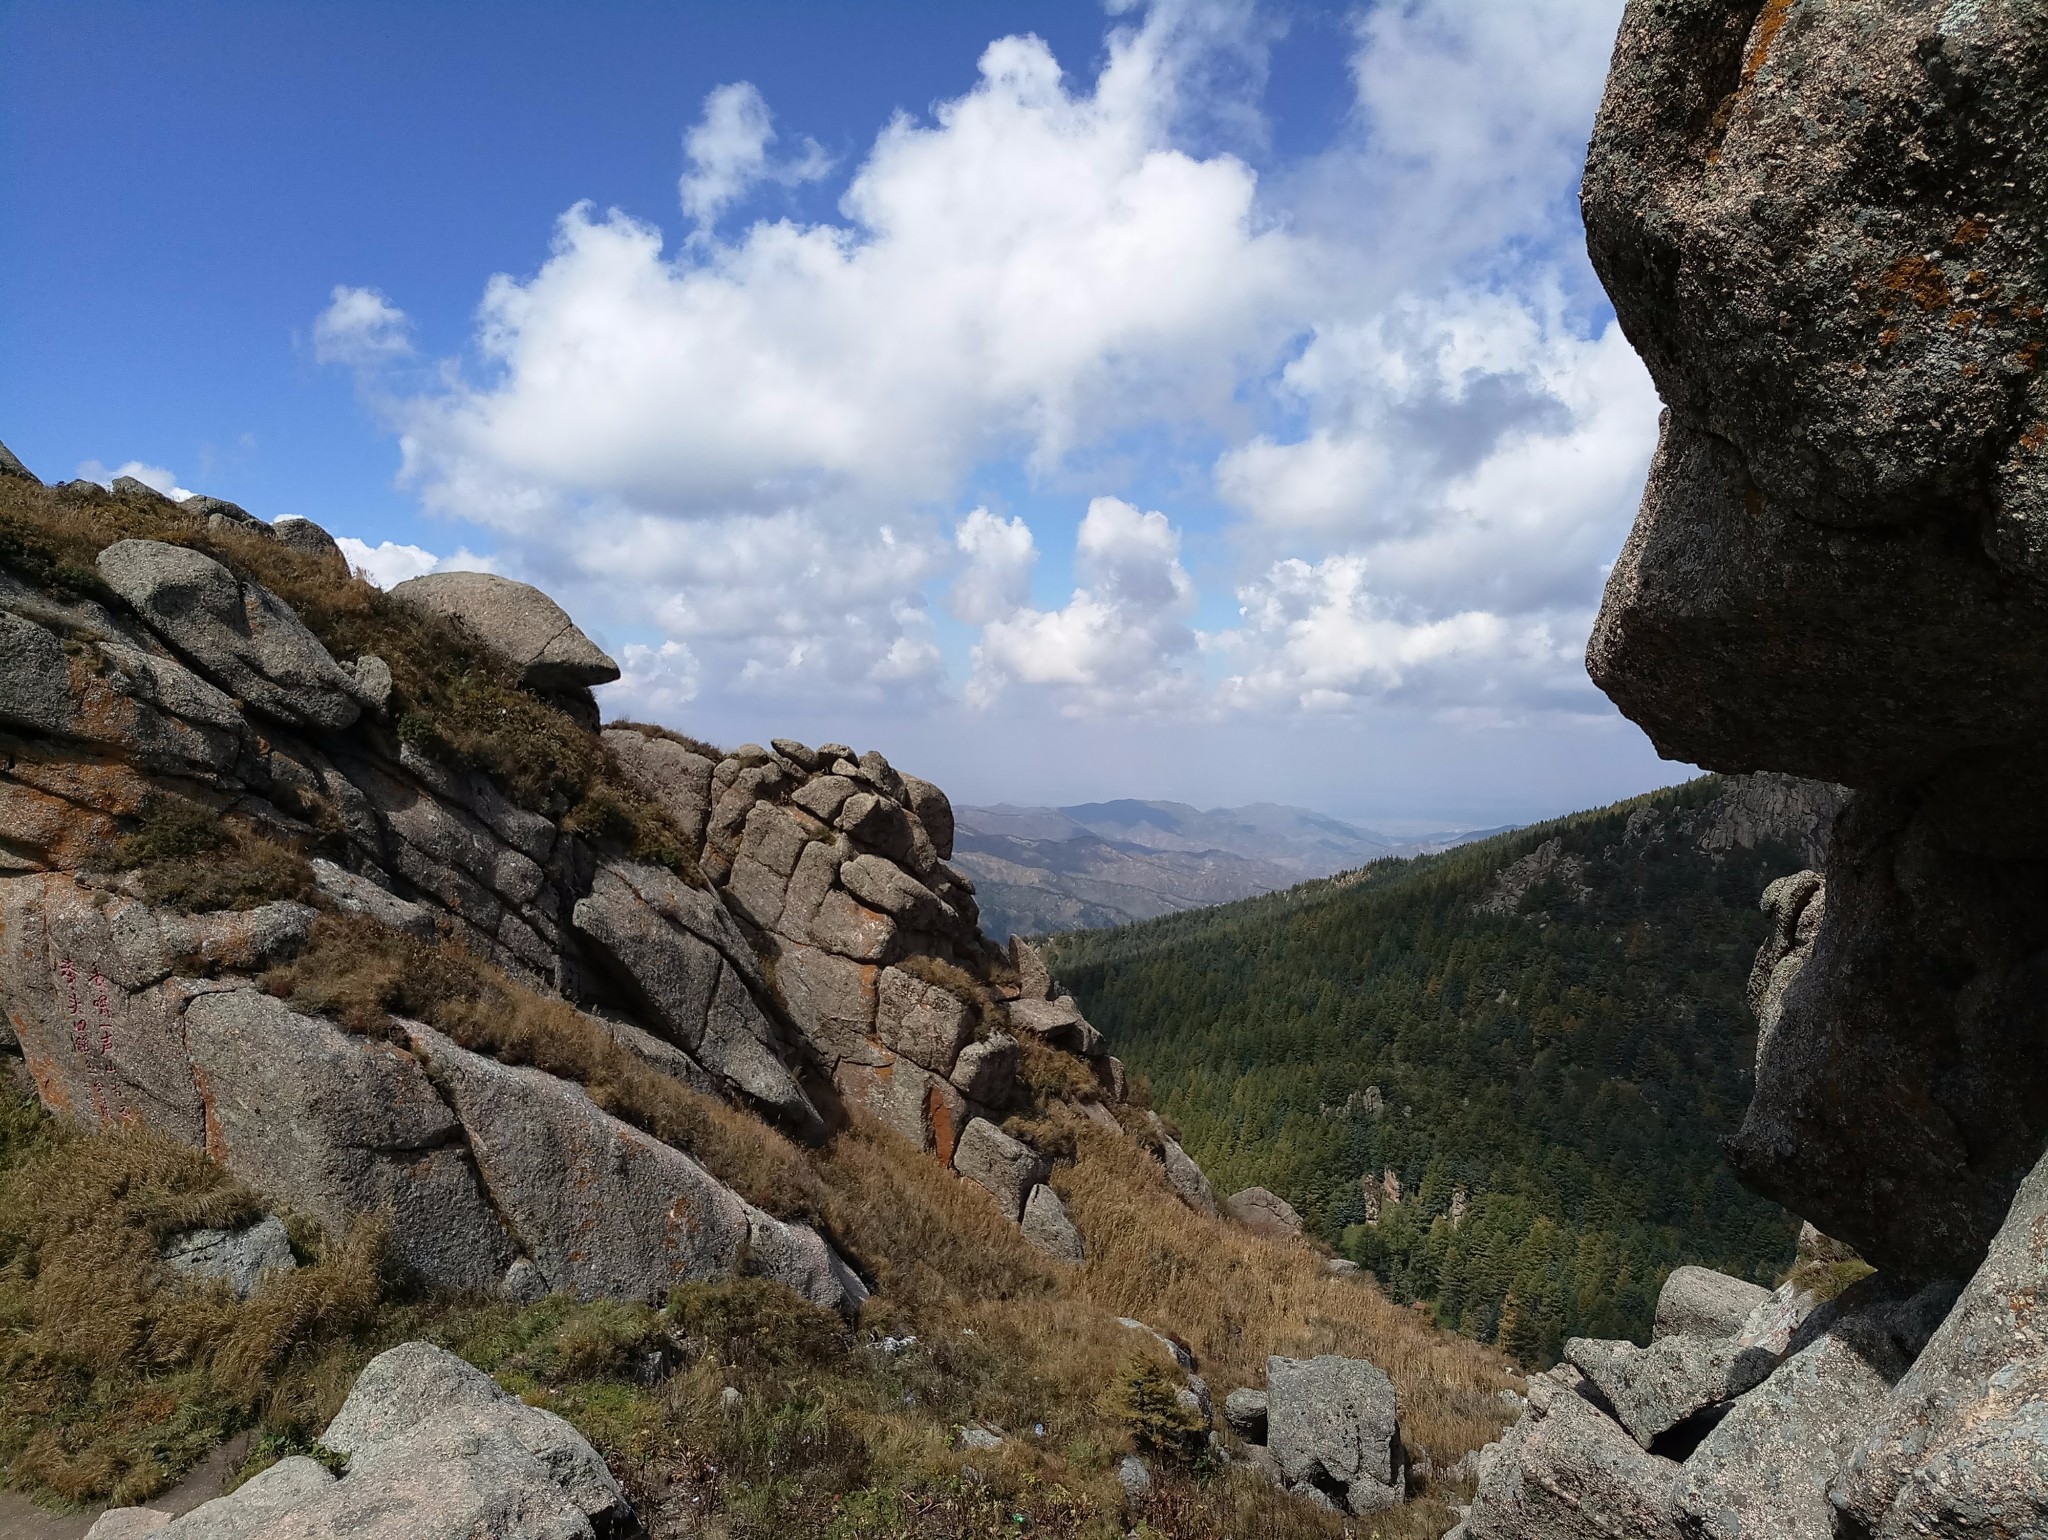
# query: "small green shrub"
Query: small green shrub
{"points": [[752, 1324], [192, 859], [1144, 1398]]}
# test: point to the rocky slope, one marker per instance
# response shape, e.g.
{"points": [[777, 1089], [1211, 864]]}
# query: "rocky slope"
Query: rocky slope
{"points": [[1821, 225], [339, 905]]}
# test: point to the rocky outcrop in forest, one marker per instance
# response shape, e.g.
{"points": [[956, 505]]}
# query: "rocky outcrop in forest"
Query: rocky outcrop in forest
{"points": [[1821, 227]]}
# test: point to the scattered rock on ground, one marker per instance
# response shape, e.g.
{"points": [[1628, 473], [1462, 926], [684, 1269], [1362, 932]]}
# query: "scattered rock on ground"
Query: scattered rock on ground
{"points": [[1334, 1427], [239, 1258], [1266, 1212]]}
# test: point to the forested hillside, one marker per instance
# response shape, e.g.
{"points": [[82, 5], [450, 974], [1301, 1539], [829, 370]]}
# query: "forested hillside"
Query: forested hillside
{"points": [[1498, 1076]]}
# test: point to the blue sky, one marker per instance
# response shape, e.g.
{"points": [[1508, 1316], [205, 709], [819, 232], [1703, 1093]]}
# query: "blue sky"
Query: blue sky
{"points": [[1206, 400]]}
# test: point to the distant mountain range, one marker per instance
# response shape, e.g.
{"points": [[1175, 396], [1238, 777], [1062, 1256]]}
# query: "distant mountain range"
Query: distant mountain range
{"points": [[1043, 869]]}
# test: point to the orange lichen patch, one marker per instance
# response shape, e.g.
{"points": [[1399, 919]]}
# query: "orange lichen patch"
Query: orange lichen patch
{"points": [[54, 831], [2035, 438], [1963, 321], [1974, 231], [939, 1116], [1918, 280], [1765, 33]]}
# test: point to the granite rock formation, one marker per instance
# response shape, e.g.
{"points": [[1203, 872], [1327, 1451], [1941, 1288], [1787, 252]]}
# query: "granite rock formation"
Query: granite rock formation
{"points": [[1820, 227], [776, 927]]}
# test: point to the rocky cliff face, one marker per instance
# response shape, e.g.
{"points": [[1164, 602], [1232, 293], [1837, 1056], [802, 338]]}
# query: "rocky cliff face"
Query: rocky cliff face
{"points": [[199, 785], [1821, 225]]}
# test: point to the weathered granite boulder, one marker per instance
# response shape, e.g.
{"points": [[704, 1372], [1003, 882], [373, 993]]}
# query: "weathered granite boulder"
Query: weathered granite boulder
{"points": [[1187, 1180], [240, 635], [309, 539], [1334, 1427], [1699, 1302], [1766, 1466], [1565, 1472], [10, 466], [336, 1126], [604, 1210], [436, 1451], [1898, 1099], [1266, 1212], [1655, 1389], [241, 1259], [1047, 1227], [671, 776], [519, 621], [1849, 355], [687, 966], [1006, 1168], [1960, 1445]]}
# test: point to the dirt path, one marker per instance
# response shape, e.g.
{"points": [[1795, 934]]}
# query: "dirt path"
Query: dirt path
{"points": [[21, 1519]]}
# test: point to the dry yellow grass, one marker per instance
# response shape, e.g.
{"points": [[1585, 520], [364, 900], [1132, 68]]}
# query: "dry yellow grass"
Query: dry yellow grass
{"points": [[1234, 1298]]}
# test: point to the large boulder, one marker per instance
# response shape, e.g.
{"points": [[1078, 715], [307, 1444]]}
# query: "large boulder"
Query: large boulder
{"points": [[686, 967], [436, 1451], [240, 635], [1334, 1427], [1960, 1445], [1699, 1302], [606, 1211], [1654, 1390], [1845, 351], [1006, 1168], [335, 1126], [1565, 1472], [1899, 1096], [1818, 225], [1766, 1466], [519, 621], [1265, 1212]]}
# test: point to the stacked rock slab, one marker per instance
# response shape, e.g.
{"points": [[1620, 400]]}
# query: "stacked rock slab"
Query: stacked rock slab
{"points": [[1838, 569], [1713, 1437]]}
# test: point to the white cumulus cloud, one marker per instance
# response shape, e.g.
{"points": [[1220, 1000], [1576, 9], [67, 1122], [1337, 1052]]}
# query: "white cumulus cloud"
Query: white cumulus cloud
{"points": [[361, 329], [728, 153], [1120, 641]]}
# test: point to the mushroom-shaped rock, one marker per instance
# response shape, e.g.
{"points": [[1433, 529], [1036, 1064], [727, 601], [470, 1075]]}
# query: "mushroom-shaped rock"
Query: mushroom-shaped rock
{"points": [[1334, 1427], [240, 635], [519, 621], [1699, 1302], [1265, 1212], [1006, 1168]]}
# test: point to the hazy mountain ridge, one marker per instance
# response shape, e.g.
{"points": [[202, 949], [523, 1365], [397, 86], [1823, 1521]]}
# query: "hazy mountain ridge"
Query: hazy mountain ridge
{"points": [[1094, 864]]}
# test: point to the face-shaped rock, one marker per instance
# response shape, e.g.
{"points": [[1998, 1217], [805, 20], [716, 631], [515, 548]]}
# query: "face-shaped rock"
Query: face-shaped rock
{"points": [[1821, 226]]}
